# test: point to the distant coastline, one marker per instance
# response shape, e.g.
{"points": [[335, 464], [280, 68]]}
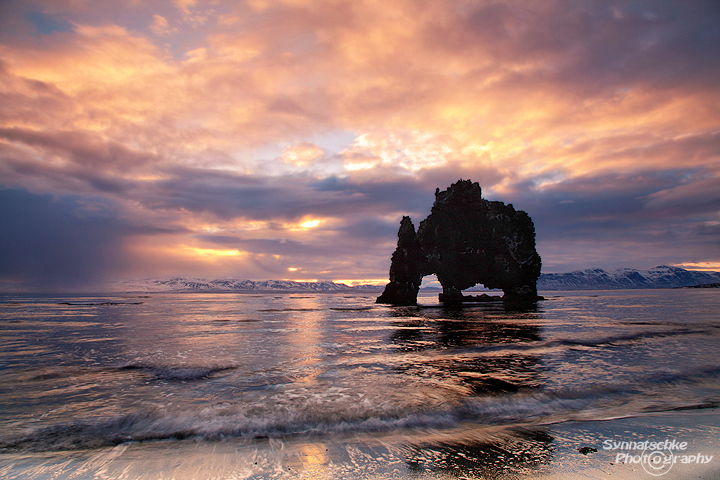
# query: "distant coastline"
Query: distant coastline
{"points": [[200, 285], [704, 285], [589, 279], [597, 279]]}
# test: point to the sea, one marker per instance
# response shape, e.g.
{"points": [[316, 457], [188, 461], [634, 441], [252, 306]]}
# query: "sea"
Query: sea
{"points": [[333, 385]]}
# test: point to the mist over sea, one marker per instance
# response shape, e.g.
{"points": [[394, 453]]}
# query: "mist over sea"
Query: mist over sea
{"points": [[333, 385]]}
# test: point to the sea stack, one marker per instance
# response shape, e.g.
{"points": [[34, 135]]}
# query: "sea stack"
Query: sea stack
{"points": [[466, 240]]}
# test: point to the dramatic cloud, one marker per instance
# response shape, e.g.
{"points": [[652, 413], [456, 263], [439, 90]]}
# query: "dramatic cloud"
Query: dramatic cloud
{"points": [[52, 243], [286, 138]]}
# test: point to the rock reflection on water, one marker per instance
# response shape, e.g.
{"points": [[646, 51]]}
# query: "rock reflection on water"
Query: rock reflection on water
{"points": [[474, 354], [470, 453], [473, 339], [503, 454]]}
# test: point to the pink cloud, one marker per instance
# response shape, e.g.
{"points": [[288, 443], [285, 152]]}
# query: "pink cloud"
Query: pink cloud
{"points": [[170, 109]]}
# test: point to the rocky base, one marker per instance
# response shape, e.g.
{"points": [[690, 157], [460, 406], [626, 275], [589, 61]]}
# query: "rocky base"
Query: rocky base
{"points": [[483, 298], [399, 293]]}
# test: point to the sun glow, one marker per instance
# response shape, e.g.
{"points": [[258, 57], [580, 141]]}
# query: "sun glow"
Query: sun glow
{"points": [[212, 253], [366, 281], [701, 266], [310, 224], [305, 224]]}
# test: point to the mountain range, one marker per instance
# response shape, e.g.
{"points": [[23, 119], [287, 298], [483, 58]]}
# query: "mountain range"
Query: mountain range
{"points": [[590, 279], [187, 285], [598, 279]]}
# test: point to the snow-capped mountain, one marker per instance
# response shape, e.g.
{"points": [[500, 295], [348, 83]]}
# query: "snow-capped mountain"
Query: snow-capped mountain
{"points": [[590, 279], [181, 284], [598, 279]]}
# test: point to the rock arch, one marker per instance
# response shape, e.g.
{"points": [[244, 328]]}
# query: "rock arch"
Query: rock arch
{"points": [[466, 240]]}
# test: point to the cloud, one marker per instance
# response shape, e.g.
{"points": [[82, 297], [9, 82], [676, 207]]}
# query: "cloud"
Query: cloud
{"points": [[161, 27], [229, 125], [622, 218], [590, 45], [79, 148], [303, 154], [58, 244], [687, 199]]}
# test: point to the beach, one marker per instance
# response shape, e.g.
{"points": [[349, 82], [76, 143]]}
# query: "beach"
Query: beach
{"points": [[544, 452]]}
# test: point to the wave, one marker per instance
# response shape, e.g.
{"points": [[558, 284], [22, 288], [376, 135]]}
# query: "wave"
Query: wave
{"points": [[234, 420], [541, 346], [176, 373], [95, 304], [221, 424], [156, 372], [628, 338], [289, 309], [237, 320], [590, 342], [350, 309]]}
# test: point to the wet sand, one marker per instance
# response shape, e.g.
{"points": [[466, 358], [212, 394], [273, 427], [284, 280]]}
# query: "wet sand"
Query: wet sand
{"points": [[699, 429], [471, 452]]}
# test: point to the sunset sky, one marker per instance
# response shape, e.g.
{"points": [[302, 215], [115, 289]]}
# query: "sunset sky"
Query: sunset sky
{"points": [[285, 139]]}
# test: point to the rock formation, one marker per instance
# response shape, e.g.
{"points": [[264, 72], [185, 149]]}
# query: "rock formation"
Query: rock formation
{"points": [[466, 240], [406, 268]]}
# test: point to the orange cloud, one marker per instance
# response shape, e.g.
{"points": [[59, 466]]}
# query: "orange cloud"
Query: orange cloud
{"points": [[173, 110], [385, 71], [302, 155]]}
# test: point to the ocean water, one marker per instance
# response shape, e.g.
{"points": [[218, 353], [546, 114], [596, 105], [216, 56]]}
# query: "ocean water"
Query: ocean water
{"points": [[277, 385]]}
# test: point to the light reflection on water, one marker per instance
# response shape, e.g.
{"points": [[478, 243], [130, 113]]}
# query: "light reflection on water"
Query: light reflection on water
{"points": [[446, 385]]}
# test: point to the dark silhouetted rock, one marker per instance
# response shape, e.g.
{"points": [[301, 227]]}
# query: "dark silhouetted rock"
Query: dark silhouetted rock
{"points": [[405, 269], [466, 240]]}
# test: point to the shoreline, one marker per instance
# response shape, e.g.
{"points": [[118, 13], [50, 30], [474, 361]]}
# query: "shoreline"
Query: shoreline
{"points": [[544, 452], [616, 442]]}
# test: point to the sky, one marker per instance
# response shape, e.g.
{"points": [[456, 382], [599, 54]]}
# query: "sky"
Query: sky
{"points": [[285, 139]]}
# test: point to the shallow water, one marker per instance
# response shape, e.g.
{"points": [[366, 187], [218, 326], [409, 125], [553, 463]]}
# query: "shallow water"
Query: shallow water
{"points": [[386, 391]]}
